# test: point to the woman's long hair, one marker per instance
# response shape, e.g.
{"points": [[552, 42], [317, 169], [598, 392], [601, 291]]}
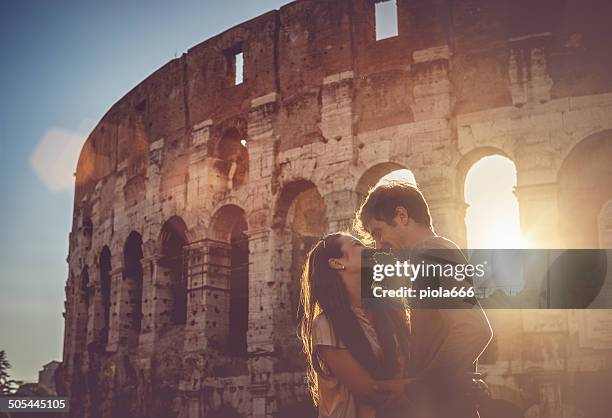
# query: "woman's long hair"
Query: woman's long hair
{"points": [[322, 290]]}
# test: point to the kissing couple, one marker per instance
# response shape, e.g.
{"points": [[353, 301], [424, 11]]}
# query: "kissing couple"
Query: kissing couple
{"points": [[395, 361]]}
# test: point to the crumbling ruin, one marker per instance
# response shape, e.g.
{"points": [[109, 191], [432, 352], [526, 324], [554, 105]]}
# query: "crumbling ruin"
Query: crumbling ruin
{"points": [[199, 192]]}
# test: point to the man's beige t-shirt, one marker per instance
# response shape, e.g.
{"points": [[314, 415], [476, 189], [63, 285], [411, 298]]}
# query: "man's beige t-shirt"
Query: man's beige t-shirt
{"points": [[447, 338]]}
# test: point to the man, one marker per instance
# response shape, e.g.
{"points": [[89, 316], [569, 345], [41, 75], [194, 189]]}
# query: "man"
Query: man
{"points": [[446, 343]]}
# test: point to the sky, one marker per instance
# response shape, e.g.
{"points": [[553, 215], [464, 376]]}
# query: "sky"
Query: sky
{"points": [[64, 64]]}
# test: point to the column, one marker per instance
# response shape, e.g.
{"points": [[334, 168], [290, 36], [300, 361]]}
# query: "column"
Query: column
{"points": [[148, 326], [446, 204], [337, 120], [432, 85], [96, 326], [262, 298], [267, 321], [117, 314], [207, 294], [448, 215], [199, 184]]}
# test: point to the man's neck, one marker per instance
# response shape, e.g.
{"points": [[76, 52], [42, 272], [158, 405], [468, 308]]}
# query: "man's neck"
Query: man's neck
{"points": [[422, 234]]}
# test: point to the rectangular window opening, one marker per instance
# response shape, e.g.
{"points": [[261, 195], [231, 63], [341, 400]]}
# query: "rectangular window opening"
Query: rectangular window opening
{"points": [[239, 68], [385, 12]]}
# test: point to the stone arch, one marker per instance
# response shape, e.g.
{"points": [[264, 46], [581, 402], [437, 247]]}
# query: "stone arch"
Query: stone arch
{"points": [[237, 200], [467, 161], [308, 169], [230, 158], [288, 193], [592, 134], [171, 281], [462, 169], [299, 221], [104, 265], [585, 185], [492, 217], [228, 270], [371, 175], [130, 292], [224, 220]]}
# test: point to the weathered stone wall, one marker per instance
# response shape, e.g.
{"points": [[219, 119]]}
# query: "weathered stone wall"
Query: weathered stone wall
{"points": [[325, 111]]}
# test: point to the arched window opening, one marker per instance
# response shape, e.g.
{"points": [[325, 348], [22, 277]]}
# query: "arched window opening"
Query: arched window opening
{"points": [[87, 230], [585, 185], [492, 221], [381, 173], [105, 290], [492, 217], [308, 223], [227, 266], [133, 277], [398, 175], [300, 221], [232, 165], [86, 297], [378, 175], [87, 227], [172, 271]]}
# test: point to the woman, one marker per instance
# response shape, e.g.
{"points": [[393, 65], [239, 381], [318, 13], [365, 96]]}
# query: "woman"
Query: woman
{"points": [[356, 357]]}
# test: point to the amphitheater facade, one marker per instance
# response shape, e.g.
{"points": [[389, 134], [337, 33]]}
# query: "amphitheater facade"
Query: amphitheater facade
{"points": [[197, 197]]}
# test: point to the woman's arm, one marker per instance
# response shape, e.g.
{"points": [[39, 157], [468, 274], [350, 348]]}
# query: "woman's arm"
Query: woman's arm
{"points": [[344, 366]]}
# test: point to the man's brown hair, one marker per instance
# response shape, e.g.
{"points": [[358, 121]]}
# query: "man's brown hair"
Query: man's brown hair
{"points": [[381, 201]]}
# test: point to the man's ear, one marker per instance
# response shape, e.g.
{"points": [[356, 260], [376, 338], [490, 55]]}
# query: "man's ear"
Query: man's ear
{"points": [[402, 215], [335, 264]]}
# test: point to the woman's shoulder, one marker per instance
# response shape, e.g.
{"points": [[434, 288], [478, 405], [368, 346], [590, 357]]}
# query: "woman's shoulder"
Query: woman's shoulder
{"points": [[321, 322], [323, 331]]}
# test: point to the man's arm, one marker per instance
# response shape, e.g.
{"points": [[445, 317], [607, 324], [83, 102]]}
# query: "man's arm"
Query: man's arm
{"points": [[469, 334]]}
